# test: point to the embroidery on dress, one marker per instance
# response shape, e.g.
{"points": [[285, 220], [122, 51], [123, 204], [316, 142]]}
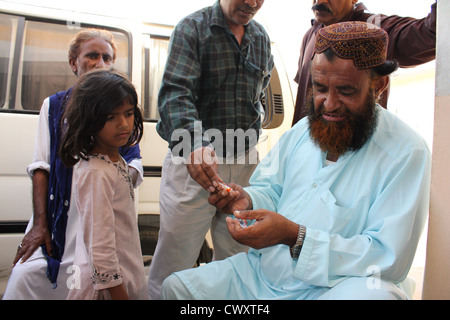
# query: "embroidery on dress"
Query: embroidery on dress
{"points": [[122, 171], [101, 278]]}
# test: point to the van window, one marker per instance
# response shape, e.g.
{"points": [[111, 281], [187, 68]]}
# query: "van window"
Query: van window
{"points": [[154, 60], [154, 56], [44, 63], [7, 26], [34, 64]]}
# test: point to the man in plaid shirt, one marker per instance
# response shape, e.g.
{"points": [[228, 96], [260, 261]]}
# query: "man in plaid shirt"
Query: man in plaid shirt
{"points": [[210, 105]]}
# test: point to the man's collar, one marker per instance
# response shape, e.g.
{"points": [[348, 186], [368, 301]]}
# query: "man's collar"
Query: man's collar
{"points": [[217, 16]]}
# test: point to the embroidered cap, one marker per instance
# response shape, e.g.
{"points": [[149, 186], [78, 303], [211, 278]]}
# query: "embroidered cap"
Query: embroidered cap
{"points": [[363, 42]]}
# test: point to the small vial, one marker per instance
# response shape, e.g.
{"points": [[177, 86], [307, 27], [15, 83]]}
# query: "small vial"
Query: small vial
{"points": [[224, 187], [243, 223]]}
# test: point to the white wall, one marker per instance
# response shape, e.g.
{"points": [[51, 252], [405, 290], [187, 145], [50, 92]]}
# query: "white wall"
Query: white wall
{"points": [[437, 276]]}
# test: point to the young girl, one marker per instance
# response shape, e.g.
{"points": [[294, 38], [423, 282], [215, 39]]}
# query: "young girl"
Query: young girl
{"points": [[101, 117]]}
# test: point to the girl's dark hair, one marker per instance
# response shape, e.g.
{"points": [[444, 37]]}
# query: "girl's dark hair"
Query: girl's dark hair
{"points": [[96, 94]]}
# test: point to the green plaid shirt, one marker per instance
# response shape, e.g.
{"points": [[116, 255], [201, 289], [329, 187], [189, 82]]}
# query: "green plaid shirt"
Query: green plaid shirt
{"points": [[207, 79]]}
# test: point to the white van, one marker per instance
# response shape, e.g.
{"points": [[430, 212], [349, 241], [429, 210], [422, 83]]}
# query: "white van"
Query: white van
{"points": [[34, 42]]}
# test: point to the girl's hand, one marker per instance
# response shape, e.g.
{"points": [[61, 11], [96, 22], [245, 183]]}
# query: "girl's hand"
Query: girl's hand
{"points": [[119, 292]]}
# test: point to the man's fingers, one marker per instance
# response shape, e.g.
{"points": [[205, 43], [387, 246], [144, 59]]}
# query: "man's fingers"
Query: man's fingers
{"points": [[26, 255], [211, 172], [19, 255], [203, 168], [29, 245], [233, 226], [250, 214], [199, 176], [48, 245], [222, 199]]}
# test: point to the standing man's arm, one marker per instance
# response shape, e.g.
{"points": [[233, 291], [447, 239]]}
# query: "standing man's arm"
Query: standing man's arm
{"points": [[39, 173], [177, 106], [411, 41], [38, 234]]}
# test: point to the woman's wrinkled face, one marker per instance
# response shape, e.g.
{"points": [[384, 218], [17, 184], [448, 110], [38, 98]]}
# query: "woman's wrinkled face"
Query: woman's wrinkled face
{"points": [[94, 54]]}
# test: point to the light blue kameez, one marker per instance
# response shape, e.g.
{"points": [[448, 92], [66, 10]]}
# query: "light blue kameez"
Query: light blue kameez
{"points": [[363, 214]]}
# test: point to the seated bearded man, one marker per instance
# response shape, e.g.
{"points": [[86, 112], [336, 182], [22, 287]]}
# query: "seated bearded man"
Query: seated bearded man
{"points": [[336, 209]]}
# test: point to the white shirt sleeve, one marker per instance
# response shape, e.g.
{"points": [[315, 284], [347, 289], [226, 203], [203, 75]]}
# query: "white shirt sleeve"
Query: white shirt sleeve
{"points": [[137, 164], [41, 155]]}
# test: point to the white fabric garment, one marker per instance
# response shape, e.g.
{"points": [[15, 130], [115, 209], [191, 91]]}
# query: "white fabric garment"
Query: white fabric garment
{"points": [[28, 281], [363, 217], [108, 249]]}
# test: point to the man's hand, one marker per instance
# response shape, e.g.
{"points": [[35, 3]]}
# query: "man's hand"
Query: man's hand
{"points": [[203, 168], [269, 229], [230, 201], [37, 236]]}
